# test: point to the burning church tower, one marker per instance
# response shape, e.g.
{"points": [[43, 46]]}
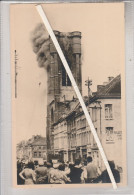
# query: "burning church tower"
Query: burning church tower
{"points": [[59, 88]]}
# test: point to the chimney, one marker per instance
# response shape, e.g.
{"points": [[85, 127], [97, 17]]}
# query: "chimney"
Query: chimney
{"points": [[110, 78]]}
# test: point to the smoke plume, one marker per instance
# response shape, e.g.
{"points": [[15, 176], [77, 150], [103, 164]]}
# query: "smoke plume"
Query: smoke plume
{"points": [[40, 42]]}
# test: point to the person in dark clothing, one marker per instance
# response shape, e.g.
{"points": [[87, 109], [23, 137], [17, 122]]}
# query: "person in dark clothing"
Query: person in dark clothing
{"points": [[62, 167], [75, 172], [41, 174], [104, 177], [20, 181]]}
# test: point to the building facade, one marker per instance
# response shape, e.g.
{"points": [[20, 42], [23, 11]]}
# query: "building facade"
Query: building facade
{"points": [[39, 149], [33, 149], [73, 137]]}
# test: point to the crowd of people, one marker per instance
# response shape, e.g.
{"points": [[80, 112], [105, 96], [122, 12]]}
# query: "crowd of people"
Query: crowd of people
{"points": [[63, 173]]}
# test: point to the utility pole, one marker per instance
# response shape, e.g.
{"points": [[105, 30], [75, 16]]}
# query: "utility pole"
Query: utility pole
{"points": [[88, 83], [16, 73]]}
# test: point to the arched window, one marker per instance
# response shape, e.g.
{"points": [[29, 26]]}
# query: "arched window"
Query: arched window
{"points": [[52, 115], [65, 79]]}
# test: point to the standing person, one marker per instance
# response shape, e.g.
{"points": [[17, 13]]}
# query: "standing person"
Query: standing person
{"points": [[57, 175], [67, 169], [92, 170], [36, 164], [28, 174], [49, 168], [41, 174], [75, 172], [20, 181], [104, 177], [84, 173]]}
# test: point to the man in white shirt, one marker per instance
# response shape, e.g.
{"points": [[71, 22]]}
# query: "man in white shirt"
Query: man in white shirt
{"points": [[92, 170]]}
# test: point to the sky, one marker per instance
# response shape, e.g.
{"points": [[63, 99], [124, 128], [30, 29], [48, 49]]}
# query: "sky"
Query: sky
{"points": [[102, 27]]}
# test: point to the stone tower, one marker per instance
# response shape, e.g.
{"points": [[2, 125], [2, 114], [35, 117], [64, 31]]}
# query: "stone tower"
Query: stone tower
{"points": [[60, 90]]}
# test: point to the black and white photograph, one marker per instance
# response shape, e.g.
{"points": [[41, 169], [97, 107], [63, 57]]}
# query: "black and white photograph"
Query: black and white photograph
{"points": [[52, 142]]}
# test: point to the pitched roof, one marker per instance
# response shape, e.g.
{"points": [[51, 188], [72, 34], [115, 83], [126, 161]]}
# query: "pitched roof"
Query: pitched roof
{"points": [[112, 89], [39, 142]]}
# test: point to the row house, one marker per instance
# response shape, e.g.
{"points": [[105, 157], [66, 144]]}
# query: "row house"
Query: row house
{"points": [[61, 140], [33, 149], [73, 137], [39, 149]]}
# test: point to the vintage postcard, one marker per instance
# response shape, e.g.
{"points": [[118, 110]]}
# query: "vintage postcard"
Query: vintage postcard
{"points": [[52, 142]]}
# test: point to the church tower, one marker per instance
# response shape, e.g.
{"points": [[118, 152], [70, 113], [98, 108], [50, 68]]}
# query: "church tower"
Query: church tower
{"points": [[60, 90]]}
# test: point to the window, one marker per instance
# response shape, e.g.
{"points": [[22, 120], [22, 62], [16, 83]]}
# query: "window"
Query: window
{"points": [[39, 154], [39, 147], [109, 134], [65, 79], [78, 124], [52, 115], [44, 147], [89, 136], [108, 111], [35, 154], [94, 114], [84, 122], [35, 147], [72, 140], [75, 139], [94, 142]]}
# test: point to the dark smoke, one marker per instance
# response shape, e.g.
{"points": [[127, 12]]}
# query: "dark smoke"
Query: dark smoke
{"points": [[40, 43]]}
